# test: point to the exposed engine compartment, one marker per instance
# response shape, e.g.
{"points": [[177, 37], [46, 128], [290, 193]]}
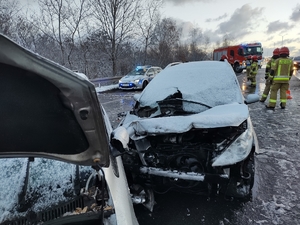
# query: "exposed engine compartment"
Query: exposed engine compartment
{"points": [[183, 161]]}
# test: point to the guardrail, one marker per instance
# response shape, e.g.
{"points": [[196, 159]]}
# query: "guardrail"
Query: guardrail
{"points": [[105, 81]]}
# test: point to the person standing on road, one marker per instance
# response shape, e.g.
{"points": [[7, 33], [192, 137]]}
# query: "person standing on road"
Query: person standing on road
{"points": [[269, 78], [281, 72], [253, 70], [248, 66]]}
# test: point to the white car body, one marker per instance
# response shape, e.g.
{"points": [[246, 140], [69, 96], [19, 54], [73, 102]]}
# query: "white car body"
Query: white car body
{"points": [[53, 113], [139, 78], [191, 127]]}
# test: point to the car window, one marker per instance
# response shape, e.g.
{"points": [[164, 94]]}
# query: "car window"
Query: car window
{"points": [[150, 71], [157, 70], [297, 58], [140, 71]]}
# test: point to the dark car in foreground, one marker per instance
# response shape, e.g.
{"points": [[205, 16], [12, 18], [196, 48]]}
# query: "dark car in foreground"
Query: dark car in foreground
{"points": [[190, 131], [58, 164]]}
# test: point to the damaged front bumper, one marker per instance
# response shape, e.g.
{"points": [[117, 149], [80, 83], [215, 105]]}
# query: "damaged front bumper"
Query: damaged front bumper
{"points": [[192, 176]]}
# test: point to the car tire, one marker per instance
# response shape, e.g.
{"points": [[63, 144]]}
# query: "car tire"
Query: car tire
{"points": [[236, 68], [243, 191], [145, 83]]}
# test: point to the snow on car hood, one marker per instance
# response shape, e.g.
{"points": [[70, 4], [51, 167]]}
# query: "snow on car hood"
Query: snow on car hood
{"points": [[48, 110], [128, 78], [209, 82], [220, 116]]}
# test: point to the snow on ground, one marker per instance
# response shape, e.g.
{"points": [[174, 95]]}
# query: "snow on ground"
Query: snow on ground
{"points": [[106, 88], [49, 182]]}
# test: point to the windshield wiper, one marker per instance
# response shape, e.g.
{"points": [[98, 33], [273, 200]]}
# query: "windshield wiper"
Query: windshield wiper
{"points": [[173, 106], [172, 100]]}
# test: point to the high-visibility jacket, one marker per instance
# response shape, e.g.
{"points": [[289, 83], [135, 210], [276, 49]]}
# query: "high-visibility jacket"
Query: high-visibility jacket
{"points": [[283, 70], [270, 64], [254, 68]]}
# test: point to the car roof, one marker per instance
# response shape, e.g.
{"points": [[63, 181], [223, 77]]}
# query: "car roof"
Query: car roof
{"points": [[49, 110]]}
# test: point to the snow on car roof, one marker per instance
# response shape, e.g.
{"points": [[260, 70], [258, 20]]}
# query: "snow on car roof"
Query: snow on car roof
{"points": [[209, 82]]}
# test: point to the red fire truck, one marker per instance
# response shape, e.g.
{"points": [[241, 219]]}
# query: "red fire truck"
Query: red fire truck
{"points": [[237, 54]]}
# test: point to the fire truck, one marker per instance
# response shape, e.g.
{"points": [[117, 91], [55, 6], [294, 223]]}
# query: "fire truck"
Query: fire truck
{"points": [[237, 54]]}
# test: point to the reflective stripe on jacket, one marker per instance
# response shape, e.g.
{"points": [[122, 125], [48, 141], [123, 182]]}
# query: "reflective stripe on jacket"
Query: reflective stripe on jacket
{"points": [[270, 64], [282, 68], [254, 68]]}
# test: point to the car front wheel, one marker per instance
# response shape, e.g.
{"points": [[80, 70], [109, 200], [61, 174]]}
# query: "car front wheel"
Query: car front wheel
{"points": [[145, 83], [237, 68]]}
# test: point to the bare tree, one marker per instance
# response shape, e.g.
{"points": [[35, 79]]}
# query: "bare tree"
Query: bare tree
{"points": [[182, 53], [9, 11], [165, 41], [195, 36], [61, 20], [148, 17], [116, 18], [227, 40], [75, 25]]}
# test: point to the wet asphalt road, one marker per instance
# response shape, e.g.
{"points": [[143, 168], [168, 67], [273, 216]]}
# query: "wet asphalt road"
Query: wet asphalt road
{"points": [[276, 193]]}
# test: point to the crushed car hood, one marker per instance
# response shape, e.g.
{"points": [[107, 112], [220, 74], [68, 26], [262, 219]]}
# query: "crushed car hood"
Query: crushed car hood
{"points": [[48, 111], [219, 116]]}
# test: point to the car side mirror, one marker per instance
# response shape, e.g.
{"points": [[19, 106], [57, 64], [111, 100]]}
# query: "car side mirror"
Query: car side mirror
{"points": [[136, 97]]}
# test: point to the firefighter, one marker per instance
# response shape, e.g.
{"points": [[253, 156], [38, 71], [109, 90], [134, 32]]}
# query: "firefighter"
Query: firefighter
{"points": [[223, 57], [268, 78], [248, 66], [281, 73], [253, 70]]}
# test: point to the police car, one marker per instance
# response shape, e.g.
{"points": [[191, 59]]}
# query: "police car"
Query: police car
{"points": [[139, 77]]}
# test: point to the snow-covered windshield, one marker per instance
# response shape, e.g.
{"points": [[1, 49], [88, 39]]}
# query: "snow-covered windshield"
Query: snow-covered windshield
{"points": [[209, 83]]}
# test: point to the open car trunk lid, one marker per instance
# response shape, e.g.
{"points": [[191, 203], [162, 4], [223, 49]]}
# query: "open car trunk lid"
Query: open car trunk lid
{"points": [[48, 111]]}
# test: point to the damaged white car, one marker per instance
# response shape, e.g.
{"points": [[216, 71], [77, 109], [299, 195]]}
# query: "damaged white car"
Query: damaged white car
{"points": [[50, 112], [190, 130]]}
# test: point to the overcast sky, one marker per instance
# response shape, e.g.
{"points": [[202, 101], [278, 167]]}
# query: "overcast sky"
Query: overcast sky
{"points": [[273, 23]]}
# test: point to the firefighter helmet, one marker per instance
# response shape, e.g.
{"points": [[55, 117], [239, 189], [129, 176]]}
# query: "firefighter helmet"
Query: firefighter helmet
{"points": [[223, 57], [284, 51], [254, 58], [249, 57], [276, 52]]}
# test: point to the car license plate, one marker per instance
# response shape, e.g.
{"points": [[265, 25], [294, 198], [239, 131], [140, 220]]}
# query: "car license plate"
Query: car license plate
{"points": [[125, 85]]}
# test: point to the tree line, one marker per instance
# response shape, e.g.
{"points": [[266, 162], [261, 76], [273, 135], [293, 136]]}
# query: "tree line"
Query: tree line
{"points": [[101, 38]]}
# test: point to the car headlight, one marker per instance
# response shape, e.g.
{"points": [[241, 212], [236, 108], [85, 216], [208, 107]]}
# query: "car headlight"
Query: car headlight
{"points": [[120, 81], [137, 81], [238, 150]]}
